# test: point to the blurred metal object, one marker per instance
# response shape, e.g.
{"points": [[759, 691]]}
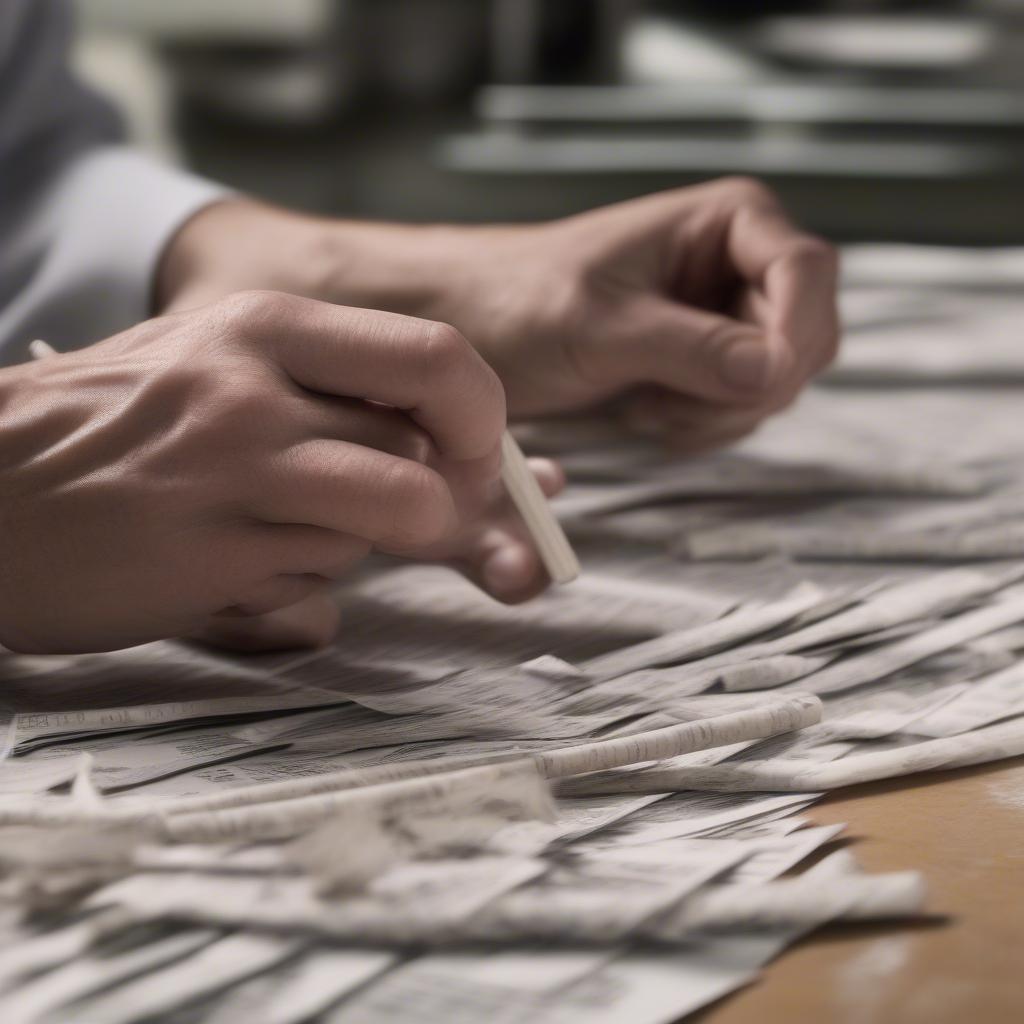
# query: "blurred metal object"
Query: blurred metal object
{"points": [[665, 50], [232, 21], [903, 41], [583, 102], [301, 63], [816, 96], [811, 100], [783, 155], [515, 29], [255, 59], [419, 50]]}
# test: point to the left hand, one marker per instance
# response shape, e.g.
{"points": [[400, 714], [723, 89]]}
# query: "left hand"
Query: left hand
{"points": [[696, 312], [494, 552]]}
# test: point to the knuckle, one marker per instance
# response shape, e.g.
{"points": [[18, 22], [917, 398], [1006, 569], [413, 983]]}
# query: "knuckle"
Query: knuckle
{"points": [[494, 400], [812, 249], [444, 349], [181, 378], [245, 311], [749, 191], [450, 362], [420, 505], [185, 389]]}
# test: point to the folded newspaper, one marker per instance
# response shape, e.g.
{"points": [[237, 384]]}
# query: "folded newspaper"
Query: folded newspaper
{"points": [[586, 809]]}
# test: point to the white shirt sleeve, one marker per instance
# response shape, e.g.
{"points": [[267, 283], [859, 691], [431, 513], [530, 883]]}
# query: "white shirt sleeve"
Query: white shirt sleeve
{"points": [[83, 220]]}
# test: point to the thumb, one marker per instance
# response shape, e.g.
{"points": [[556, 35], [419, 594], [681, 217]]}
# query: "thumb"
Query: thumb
{"points": [[701, 354]]}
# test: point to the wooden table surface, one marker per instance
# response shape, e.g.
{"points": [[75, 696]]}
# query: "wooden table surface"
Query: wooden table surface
{"points": [[965, 831]]}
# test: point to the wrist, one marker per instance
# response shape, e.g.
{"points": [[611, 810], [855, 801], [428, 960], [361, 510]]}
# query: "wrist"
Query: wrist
{"points": [[190, 261], [240, 244], [411, 269]]}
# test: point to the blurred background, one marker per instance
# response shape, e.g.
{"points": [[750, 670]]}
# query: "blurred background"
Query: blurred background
{"points": [[875, 119]]}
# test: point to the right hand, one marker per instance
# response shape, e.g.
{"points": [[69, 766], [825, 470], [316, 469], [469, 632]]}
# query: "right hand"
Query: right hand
{"points": [[229, 460]]}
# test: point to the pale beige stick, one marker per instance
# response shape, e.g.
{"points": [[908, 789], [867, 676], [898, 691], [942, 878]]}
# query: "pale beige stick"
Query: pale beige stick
{"points": [[548, 536], [40, 349]]}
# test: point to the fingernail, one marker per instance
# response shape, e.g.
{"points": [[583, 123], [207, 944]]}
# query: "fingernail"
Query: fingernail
{"points": [[747, 364]]}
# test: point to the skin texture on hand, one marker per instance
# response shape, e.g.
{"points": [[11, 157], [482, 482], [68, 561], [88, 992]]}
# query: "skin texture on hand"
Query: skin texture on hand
{"points": [[494, 553], [202, 471], [699, 312], [693, 314]]}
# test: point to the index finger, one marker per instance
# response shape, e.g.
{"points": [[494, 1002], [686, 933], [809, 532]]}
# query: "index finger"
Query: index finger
{"points": [[796, 274], [424, 368]]}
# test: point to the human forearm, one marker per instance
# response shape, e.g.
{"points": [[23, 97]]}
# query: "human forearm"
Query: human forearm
{"points": [[477, 278], [699, 311], [236, 243]]}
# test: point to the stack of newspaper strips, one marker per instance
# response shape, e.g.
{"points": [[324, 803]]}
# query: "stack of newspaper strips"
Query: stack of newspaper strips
{"points": [[587, 809]]}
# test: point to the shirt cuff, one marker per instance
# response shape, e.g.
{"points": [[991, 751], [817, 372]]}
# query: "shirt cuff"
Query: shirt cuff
{"points": [[101, 229]]}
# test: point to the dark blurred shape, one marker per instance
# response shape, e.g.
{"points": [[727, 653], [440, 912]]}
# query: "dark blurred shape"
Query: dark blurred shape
{"points": [[874, 119]]}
